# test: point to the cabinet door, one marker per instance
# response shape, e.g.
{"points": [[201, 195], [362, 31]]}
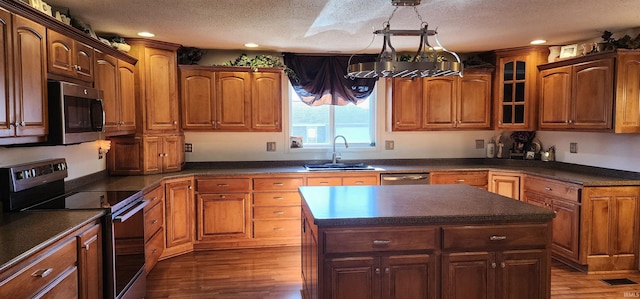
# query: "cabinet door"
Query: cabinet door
{"points": [[266, 102], [474, 105], [83, 60], [627, 105], [224, 216], [408, 277], [172, 150], [198, 99], [468, 275], [352, 277], [106, 80], [407, 104], [555, 97], [505, 185], [61, 54], [90, 262], [612, 222], [512, 99], [522, 275], [30, 75], [592, 95], [7, 119], [566, 229], [440, 95], [179, 213], [152, 154], [161, 98], [127, 96], [125, 156], [233, 101]]}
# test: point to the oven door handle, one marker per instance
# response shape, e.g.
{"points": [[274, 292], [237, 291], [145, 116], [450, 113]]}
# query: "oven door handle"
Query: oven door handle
{"points": [[122, 217]]}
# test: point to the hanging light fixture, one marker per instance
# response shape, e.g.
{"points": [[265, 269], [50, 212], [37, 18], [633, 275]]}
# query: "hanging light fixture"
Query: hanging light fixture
{"points": [[427, 62]]}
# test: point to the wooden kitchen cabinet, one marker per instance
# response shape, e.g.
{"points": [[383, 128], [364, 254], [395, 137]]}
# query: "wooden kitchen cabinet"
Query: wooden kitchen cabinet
{"points": [[276, 209], [577, 96], [24, 75], [179, 216], [442, 103], [90, 262], [343, 179], [116, 78], [223, 208], [157, 92], [611, 233], [564, 199], [506, 183], [146, 154], [598, 92], [516, 86], [227, 99], [505, 261], [474, 178], [69, 57], [153, 227]]}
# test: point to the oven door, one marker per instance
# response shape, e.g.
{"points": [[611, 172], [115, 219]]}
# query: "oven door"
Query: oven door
{"points": [[126, 259]]}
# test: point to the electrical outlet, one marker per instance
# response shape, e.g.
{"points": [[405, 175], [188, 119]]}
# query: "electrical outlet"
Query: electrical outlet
{"points": [[573, 147], [188, 147], [479, 143], [388, 145], [271, 146]]}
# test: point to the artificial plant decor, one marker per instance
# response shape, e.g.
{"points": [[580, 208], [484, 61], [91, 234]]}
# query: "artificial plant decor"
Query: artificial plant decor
{"points": [[625, 42]]}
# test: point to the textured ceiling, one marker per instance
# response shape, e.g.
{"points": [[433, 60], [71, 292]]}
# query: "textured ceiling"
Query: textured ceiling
{"points": [[346, 26]]}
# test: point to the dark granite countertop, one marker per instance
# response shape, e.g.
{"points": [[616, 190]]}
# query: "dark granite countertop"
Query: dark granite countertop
{"points": [[24, 233], [415, 205]]}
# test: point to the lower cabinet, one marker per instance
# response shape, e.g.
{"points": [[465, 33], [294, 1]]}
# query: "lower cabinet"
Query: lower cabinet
{"points": [[153, 227], [505, 274], [68, 268], [223, 208], [473, 178], [506, 183], [344, 180], [179, 216]]}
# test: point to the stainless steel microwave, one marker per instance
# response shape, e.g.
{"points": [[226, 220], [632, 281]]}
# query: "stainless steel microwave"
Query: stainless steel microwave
{"points": [[76, 113]]}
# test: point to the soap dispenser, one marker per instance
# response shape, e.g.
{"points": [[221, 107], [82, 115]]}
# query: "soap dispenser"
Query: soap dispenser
{"points": [[491, 149]]}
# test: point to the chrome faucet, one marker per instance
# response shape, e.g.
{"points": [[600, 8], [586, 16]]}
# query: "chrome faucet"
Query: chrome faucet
{"points": [[334, 159]]}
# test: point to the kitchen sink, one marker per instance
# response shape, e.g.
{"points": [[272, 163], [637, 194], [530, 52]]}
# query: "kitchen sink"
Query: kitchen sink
{"points": [[338, 166]]}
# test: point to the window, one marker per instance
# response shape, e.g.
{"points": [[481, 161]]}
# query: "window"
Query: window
{"points": [[318, 125]]}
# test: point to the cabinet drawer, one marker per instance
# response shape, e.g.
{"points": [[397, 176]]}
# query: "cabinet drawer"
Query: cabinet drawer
{"points": [[553, 188], [291, 212], [33, 277], [355, 181], [153, 250], [222, 185], [380, 239], [153, 221], [324, 181], [272, 184], [276, 228], [495, 237], [473, 178], [154, 197], [276, 199]]}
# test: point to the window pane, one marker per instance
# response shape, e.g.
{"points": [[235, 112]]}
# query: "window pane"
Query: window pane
{"points": [[310, 122], [354, 122]]}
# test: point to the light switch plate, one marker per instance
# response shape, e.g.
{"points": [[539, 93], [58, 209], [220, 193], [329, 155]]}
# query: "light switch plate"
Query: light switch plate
{"points": [[389, 145], [271, 146], [479, 143]]}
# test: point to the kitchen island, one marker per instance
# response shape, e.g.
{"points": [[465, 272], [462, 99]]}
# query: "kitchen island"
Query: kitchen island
{"points": [[422, 241]]}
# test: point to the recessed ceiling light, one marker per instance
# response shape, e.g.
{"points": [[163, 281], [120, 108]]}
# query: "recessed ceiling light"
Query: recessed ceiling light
{"points": [[538, 42], [146, 34], [251, 45]]}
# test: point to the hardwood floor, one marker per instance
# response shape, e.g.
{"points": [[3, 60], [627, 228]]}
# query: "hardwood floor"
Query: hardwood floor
{"points": [[274, 273]]}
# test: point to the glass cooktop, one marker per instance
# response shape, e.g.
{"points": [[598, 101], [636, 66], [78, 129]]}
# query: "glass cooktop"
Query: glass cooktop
{"points": [[88, 200]]}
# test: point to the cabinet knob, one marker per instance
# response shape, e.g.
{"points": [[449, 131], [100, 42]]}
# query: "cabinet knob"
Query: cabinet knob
{"points": [[493, 265], [387, 270], [570, 121], [377, 270], [175, 122], [502, 265], [154, 221]]}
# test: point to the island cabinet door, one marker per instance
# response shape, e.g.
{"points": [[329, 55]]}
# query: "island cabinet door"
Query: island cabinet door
{"points": [[468, 275], [352, 277], [408, 277], [521, 274]]}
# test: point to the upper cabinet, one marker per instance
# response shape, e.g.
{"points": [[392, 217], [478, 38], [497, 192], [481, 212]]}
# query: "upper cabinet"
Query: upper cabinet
{"points": [[230, 99], [156, 72], [442, 103], [515, 87], [23, 112], [69, 57], [581, 93], [116, 79]]}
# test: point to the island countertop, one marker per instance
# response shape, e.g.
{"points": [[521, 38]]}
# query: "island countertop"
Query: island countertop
{"points": [[415, 205]]}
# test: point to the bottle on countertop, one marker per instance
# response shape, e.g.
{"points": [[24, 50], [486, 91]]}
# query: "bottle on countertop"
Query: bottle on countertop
{"points": [[491, 149]]}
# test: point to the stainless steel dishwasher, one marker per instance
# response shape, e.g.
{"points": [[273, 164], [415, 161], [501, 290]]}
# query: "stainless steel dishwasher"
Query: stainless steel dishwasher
{"points": [[404, 178]]}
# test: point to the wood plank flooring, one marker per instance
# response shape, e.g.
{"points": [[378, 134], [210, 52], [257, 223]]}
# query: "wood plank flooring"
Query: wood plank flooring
{"points": [[274, 273]]}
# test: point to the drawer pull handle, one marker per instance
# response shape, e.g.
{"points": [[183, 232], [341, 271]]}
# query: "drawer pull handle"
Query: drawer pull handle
{"points": [[324, 183], [278, 228], [42, 273], [460, 181], [359, 182], [497, 238], [548, 188], [223, 185], [278, 212], [381, 242], [278, 198], [278, 184]]}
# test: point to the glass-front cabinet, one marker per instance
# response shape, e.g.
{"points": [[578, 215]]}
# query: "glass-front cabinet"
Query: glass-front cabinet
{"points": [[515, 88]]}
